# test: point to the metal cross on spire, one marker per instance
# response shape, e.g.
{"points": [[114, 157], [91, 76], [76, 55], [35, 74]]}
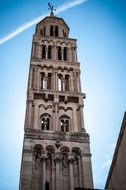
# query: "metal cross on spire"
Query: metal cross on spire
{"points": [[51, 8]]}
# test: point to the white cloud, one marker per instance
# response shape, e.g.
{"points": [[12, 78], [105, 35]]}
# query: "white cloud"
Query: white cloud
{"points": [[27, 25]]}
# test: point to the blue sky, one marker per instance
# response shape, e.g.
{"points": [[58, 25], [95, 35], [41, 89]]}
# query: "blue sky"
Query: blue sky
{"points": [[100, 29]]}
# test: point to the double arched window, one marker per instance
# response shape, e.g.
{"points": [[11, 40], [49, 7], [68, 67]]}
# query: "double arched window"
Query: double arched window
{"points": [[45, 121], [65, 123], [46, 81], [54, 31]]}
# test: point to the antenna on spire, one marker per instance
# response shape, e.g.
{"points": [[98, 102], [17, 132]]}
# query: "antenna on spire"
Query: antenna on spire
{"points": [[51, 8]]}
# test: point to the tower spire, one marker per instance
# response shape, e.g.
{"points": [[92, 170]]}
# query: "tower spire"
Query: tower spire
{"points": [[51, 8]]}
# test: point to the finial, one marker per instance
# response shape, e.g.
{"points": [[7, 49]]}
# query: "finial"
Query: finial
{"points": [[51, 8]]}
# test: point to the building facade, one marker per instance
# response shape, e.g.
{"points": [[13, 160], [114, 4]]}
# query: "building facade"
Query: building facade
{"points": [[116, 179], [56, 150]]}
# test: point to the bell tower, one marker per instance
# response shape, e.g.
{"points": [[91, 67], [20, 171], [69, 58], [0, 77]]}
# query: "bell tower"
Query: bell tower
{"points": [[56, 150]]}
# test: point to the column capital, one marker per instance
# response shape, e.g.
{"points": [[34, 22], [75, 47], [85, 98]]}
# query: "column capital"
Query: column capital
{"points": [[44, 156], [57, 156], [71, 159]]}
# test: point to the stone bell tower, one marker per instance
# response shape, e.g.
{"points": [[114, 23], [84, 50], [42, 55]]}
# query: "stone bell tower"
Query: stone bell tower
{"points": [[56, 151]]}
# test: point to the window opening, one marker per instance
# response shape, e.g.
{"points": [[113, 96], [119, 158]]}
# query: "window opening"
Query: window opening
{"points": [[65, 54], [43, 51], [59, 84], [66, 83], [43, 81], [49, 81], [41, 32], [45, 122], [49, 52], [56, 31], [59, 53], [47, 185], [64, 125], [51, 30]]}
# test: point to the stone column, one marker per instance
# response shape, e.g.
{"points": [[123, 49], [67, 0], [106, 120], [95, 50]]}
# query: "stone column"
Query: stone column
{"points": [[71, 160], [38, 79], [39, 52], [57, 160], [62, 53], [79, 82], [87, 171], [56, 116], [46, 79], [82, 118], [54, 80], [80, 171], [36, 118], [29, 112], [33, 49], [75, 54], [72, 55], [30, 78], [46, 52], [35, 78], [54, 52], [44, 158], [63, 84], [75, 81]]}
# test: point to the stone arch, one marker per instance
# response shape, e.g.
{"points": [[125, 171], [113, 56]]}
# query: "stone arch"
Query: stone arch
{"points": [[64, 148], [76, 150], [77, 165], [50, 148], [37, 151]]}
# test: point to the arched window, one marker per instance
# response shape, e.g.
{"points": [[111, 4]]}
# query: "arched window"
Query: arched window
{"points": [[41, 32], [45, 122], [59, 53], [51, 30], [56, 31], [65, 123], [66, 82], [60, 88], [49, 81], [43, 51], [65, 53], [49, 52], [37, 151], [43, 81]]}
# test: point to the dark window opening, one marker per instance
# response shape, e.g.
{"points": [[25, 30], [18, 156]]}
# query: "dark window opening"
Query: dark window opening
{"points": [[59, 53], [41, 32], [49, 52], [47, 186], [43, 51], [66, 83], [49, 81], [51, 30], [44, 31], [65, 54], [56, 31]]}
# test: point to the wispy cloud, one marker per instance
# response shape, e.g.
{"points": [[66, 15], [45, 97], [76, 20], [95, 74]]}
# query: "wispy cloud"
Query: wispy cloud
{"points": [[27, 25]]}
